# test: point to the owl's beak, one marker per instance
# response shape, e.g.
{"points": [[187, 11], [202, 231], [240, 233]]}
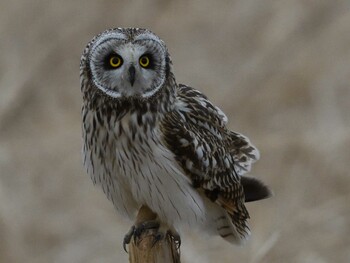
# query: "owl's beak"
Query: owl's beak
{"points": [[132, 75]]}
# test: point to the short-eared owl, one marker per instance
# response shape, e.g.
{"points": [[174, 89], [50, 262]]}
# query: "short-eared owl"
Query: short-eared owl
{"points": [[149, 141]]}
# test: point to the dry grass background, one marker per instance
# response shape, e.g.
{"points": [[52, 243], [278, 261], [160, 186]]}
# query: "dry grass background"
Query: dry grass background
{"points": [[279, 69]]}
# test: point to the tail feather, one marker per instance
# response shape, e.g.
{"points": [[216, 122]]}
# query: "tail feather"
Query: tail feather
{"points": [[254, 189]]}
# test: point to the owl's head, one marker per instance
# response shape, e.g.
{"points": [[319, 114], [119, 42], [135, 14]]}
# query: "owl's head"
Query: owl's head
{"points": [[126, 63]]}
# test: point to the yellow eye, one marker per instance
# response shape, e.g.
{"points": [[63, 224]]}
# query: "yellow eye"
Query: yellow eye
{"points": [[115, 61], [144, 61]]}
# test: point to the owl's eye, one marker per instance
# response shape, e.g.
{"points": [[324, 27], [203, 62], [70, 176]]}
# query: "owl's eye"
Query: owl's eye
{"points": [[115, 61], [144, 61]]}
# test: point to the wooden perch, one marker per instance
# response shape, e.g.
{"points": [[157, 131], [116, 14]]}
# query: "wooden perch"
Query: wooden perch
{"points": [[145, 251]]}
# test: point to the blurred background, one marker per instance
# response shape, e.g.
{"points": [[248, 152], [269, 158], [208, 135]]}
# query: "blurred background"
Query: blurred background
{"points": [[279, 69]]}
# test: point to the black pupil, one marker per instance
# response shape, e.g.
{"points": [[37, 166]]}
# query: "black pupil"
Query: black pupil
{"points": [[115, 60], [144, 60]]}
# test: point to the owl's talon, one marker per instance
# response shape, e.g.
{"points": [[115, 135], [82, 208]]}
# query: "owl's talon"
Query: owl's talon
{"points": [[136, 232], [139, 229], [175, 237], [127, 238]]}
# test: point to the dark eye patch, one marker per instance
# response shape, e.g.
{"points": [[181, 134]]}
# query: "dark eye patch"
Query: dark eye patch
{"points": [[152, 62], [112, 57]]}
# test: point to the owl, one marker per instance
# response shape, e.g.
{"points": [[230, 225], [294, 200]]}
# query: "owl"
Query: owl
{"points": [[150, 142]]}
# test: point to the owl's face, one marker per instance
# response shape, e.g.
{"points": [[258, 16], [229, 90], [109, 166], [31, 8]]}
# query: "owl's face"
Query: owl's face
{"points": [[128, 63]]}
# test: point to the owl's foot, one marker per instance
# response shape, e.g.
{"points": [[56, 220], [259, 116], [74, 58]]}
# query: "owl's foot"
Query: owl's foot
{"points": [[175, 237], [137, 230]]}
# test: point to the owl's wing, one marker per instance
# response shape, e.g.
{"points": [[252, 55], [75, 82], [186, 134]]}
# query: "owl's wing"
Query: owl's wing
{"points": [[212, 156], [196, 132]]}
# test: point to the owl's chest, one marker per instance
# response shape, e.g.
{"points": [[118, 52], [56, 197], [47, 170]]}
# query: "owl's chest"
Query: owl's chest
{"points": [[136, 144], [117, 146], [137, 147]]}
